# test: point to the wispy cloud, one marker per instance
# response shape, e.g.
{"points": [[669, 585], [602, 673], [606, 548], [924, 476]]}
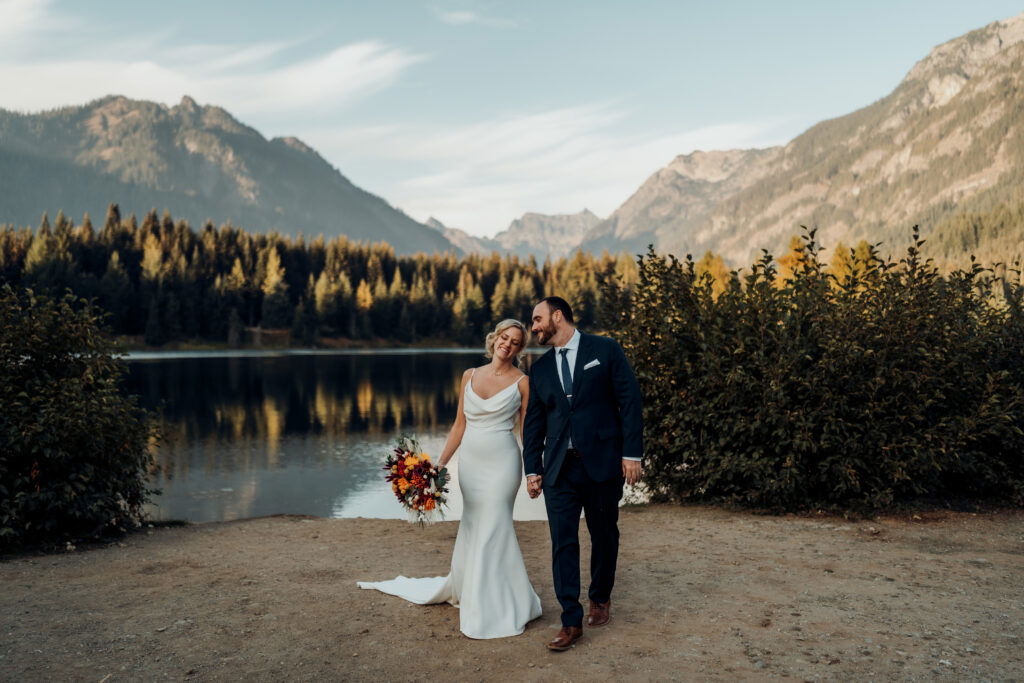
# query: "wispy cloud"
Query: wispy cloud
{"points": [[477, 176], [19, 16], [251, 79], [480, 176], [469, 17]]}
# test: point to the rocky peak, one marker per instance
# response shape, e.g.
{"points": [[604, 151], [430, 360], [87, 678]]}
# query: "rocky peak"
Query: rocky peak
{"points": [[296, 144], [949, 66], [713, 166], [544, 235]]}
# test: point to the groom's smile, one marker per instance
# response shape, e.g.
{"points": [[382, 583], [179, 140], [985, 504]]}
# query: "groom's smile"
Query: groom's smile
{"points": [[543, 324]]}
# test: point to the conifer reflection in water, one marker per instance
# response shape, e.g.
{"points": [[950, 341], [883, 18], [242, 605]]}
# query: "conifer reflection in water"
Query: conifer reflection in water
{"points": [[290, 433]]}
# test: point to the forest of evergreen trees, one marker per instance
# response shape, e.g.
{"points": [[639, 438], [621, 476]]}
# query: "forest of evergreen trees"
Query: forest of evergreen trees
{"points": [[165, 282]]}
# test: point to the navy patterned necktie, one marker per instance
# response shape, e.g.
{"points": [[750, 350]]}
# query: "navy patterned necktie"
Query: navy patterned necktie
{"points": [[566, 376]]}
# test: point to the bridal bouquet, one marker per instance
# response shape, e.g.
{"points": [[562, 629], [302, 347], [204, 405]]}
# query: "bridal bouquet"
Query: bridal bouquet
{"points": [[418, 485]]}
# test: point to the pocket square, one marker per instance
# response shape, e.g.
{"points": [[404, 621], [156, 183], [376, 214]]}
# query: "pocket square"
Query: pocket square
{"points": [[591, 364]]}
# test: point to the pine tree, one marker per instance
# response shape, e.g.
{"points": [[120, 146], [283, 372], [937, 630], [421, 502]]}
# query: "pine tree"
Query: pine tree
{"points": [[48, 262], [111, 224], [276, 306], [381, 319], [791, 262], [468, 310], [116, 293], [841, 266], [325, 300], [237, 292], [500, 308], [579, 287], [713, 265], [364, 302], [152, 259]]}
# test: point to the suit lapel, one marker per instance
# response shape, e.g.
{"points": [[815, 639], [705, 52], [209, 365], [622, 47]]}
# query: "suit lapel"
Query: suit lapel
{"points": [[577, 372], [552, 372]]}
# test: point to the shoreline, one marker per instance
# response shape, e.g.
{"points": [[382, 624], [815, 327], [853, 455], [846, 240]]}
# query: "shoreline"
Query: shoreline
{"points": [[702, 593]]}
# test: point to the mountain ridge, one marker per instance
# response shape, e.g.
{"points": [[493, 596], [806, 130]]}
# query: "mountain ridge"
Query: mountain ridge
{"points": [[532, 234], [948, 138], [199, 162]]}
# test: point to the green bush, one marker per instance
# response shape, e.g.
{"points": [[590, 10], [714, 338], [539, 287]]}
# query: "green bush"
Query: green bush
{"points": [[74, 450], [890, 384]]}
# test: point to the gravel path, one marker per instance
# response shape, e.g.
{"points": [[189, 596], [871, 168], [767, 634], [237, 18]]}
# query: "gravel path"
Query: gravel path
{"points": [[702, 593]]}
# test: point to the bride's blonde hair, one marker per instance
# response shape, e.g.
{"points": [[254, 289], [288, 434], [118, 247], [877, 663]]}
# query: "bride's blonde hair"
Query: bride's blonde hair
{"points": [[498, 329]]}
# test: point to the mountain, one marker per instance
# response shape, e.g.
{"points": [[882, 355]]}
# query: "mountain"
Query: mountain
{"points": [[542, 235], [469, 244], [682, 193], [198, 162], [948, 140], [534, 234]]}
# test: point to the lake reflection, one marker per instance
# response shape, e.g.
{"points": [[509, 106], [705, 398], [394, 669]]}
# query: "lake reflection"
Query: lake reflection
{"points": [[305, 433]]}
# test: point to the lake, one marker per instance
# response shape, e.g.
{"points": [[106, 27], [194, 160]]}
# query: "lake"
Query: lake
{"points": [[252, 433]]}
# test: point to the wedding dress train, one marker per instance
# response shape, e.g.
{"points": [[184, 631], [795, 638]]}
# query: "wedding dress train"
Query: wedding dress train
{"points": [[487, 580]]}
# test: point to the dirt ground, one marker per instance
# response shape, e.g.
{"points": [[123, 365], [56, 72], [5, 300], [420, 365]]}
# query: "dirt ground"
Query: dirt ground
{"points": [[702, 593]]}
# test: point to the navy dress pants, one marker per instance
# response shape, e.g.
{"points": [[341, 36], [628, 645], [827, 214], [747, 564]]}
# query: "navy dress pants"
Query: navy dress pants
{"points": [[572, 492]]}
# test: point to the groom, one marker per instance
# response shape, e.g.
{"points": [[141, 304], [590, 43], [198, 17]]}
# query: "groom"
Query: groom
{"points": [[582, 438]]}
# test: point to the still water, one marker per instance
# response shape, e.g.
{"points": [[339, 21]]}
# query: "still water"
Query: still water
{"points": [[247, 434]]}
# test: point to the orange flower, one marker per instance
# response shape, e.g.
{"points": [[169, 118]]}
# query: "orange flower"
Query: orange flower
{"points": [[429, 505], [412, 461], [424, 457], [403, 484]]}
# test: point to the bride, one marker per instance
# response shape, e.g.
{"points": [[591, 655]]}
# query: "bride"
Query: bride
{"points": [[487, 580]]}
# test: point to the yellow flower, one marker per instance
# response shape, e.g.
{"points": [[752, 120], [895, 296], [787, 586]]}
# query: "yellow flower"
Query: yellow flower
{"points": [[424, 457], [412, 461]]}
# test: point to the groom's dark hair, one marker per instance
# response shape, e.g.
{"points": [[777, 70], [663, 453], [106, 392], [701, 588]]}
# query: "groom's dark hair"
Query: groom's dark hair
{"points": [[557, 303]]}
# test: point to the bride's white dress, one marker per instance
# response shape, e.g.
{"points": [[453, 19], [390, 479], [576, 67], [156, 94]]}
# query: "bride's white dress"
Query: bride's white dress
{"points": [[487, 580]]}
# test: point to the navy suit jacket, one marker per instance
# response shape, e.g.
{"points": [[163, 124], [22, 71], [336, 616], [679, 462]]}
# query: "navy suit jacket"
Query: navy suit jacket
{"points": [[604, 416]]}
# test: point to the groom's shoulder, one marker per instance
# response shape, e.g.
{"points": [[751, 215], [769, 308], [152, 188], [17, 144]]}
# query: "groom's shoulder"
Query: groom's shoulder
{"points": [[540, 360], [598, 340]]}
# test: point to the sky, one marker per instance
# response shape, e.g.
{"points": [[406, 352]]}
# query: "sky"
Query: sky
{"points": [[476, 112]]}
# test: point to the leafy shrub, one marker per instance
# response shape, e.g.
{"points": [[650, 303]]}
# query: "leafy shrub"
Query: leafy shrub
{"points": [[74, 454], [890, 384]]}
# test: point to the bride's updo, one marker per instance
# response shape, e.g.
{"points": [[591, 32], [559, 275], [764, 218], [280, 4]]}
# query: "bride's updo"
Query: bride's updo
{"points": [[501, 327]]}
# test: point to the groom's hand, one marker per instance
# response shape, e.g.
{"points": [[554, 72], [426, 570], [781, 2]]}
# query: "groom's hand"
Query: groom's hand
{"points": [[631, 470], [533, 485]]}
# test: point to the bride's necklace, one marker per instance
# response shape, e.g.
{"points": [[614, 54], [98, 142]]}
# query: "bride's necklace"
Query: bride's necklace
{"points": [[499, 374]]}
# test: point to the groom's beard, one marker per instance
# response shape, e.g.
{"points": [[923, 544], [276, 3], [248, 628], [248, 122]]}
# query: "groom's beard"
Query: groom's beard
{"points": [[545, 335]]}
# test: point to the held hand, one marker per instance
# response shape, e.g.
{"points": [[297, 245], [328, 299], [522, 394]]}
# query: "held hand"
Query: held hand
{"points": [[533, 485], [631, 470]]}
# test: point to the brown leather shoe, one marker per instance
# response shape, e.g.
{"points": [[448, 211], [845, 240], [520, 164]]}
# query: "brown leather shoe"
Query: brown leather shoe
{"points": [[600, 613], [566, 638]]}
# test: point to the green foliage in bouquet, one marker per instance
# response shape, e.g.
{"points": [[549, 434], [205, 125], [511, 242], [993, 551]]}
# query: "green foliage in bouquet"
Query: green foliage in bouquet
{"points": [[888, 384], [74, 457]]}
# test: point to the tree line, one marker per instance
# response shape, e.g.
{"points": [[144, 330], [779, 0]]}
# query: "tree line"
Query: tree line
{"points": [[854, 384], [166, 282]]}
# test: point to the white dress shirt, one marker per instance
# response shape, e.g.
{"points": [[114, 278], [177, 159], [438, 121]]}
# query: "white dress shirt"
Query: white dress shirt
{"points": [[573, 345]]}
